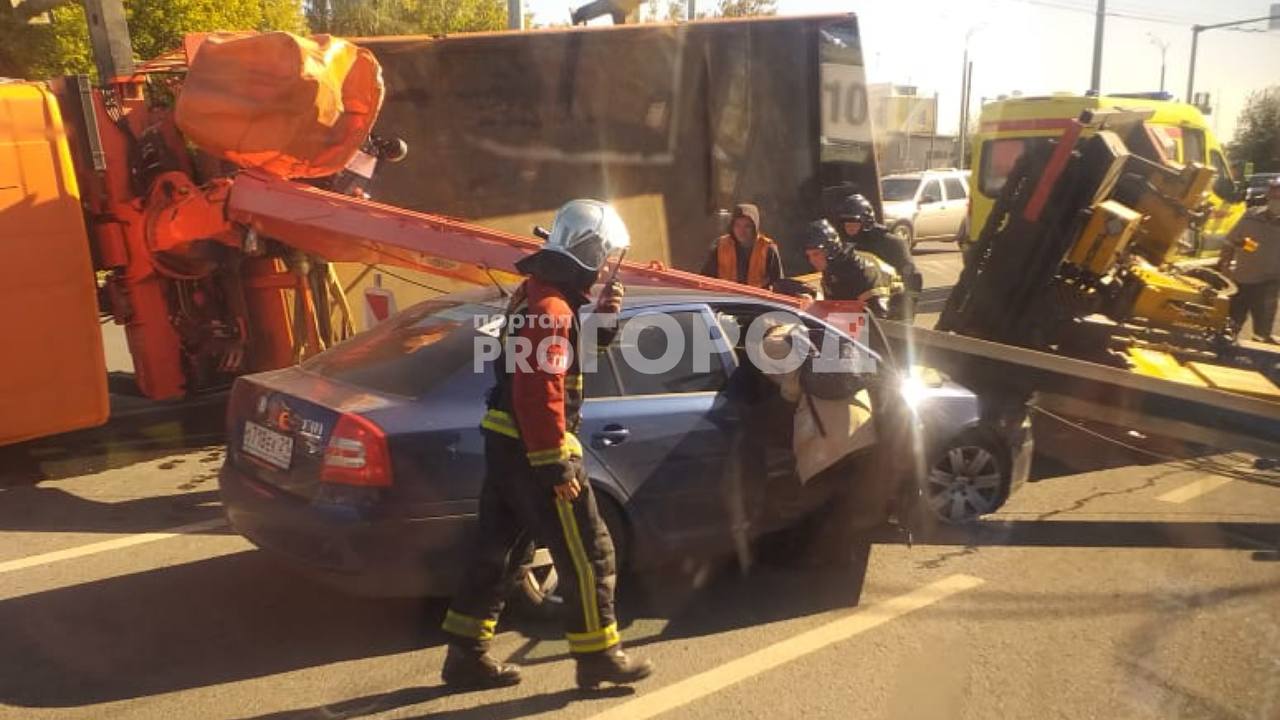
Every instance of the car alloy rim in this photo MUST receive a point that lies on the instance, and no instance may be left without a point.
(964, 484)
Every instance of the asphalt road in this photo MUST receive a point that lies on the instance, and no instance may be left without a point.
(1113, 587)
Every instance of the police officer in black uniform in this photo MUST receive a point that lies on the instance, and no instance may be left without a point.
(857, 224)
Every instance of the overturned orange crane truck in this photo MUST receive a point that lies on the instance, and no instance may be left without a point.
(210, 200)
(211, 214)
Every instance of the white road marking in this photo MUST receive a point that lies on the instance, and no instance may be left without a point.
(696, 687)
(107, 545)
(1194, 490)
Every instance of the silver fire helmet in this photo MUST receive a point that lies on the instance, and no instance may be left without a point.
(588, 231)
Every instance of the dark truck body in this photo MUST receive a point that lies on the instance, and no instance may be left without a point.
(698, 115)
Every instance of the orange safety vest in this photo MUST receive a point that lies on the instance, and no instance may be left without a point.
(757, 267)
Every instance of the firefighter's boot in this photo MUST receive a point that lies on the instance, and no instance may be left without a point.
(472, 667)
(612, 666)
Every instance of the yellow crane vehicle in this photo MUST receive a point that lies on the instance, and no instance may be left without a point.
(1076, 258)
(1009, 128)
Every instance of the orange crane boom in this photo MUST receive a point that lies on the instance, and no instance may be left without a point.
(341, 228)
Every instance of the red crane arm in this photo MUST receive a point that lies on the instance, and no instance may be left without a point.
(342, 228)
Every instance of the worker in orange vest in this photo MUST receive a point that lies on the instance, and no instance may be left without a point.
(744, 254)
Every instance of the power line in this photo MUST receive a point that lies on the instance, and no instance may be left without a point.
(1124, 13)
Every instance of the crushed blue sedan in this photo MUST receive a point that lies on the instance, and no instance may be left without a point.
(362, 466)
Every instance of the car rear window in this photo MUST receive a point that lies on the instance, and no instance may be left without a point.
(896, 189)
(410, 353)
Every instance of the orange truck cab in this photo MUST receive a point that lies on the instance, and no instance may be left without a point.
(48, 301)
(1006, 128)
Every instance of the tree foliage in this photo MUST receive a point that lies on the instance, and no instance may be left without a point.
(355, 18)
(746, 8)
(61, 45)
(1258, 131)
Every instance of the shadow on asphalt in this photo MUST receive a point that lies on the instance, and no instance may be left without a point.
(239, 617)
(405, 697)
(138, 432)
(1259, 536)
(50, 509)
(1071, 449)
(203, 623)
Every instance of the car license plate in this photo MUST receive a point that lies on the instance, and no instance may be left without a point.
(267, 445)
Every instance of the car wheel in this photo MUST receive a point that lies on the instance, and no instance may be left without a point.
(538, 590)
(903, 232)
(968, 479)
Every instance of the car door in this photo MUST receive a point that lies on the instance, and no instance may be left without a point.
(955, 206)
(931, 215)
(663, 432)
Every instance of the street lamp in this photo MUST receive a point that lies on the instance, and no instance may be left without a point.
(1195, 39)
(1164, 48)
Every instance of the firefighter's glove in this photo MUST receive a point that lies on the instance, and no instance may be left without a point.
(564, 478)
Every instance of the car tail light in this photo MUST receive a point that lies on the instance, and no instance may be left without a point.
(357, 454)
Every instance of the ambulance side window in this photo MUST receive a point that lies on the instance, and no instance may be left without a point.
(1193, 146)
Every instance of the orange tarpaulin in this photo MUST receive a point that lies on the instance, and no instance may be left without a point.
(292, 106)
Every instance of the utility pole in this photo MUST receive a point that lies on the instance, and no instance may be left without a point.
(1195, 41)
(109, 39)
(515, 14)
(964, 99)
(1095, 84)
(967, 91)
(933, 134)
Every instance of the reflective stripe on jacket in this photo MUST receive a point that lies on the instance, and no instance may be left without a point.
(539, 400)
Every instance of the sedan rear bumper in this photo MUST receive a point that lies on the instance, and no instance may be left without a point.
(340, 546)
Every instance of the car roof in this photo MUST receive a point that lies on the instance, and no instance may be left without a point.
(921, 173)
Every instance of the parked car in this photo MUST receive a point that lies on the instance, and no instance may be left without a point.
(929, 205)
(1255, 191)
(363, 465)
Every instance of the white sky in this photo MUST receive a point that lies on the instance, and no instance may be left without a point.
(1040, 46)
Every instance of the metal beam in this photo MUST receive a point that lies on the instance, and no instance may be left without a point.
(1191, 69)
(1097, 392)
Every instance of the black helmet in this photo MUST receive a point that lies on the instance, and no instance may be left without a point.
(819, 235)
(857, 207)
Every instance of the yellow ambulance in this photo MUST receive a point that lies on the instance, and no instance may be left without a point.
(1006, 128)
